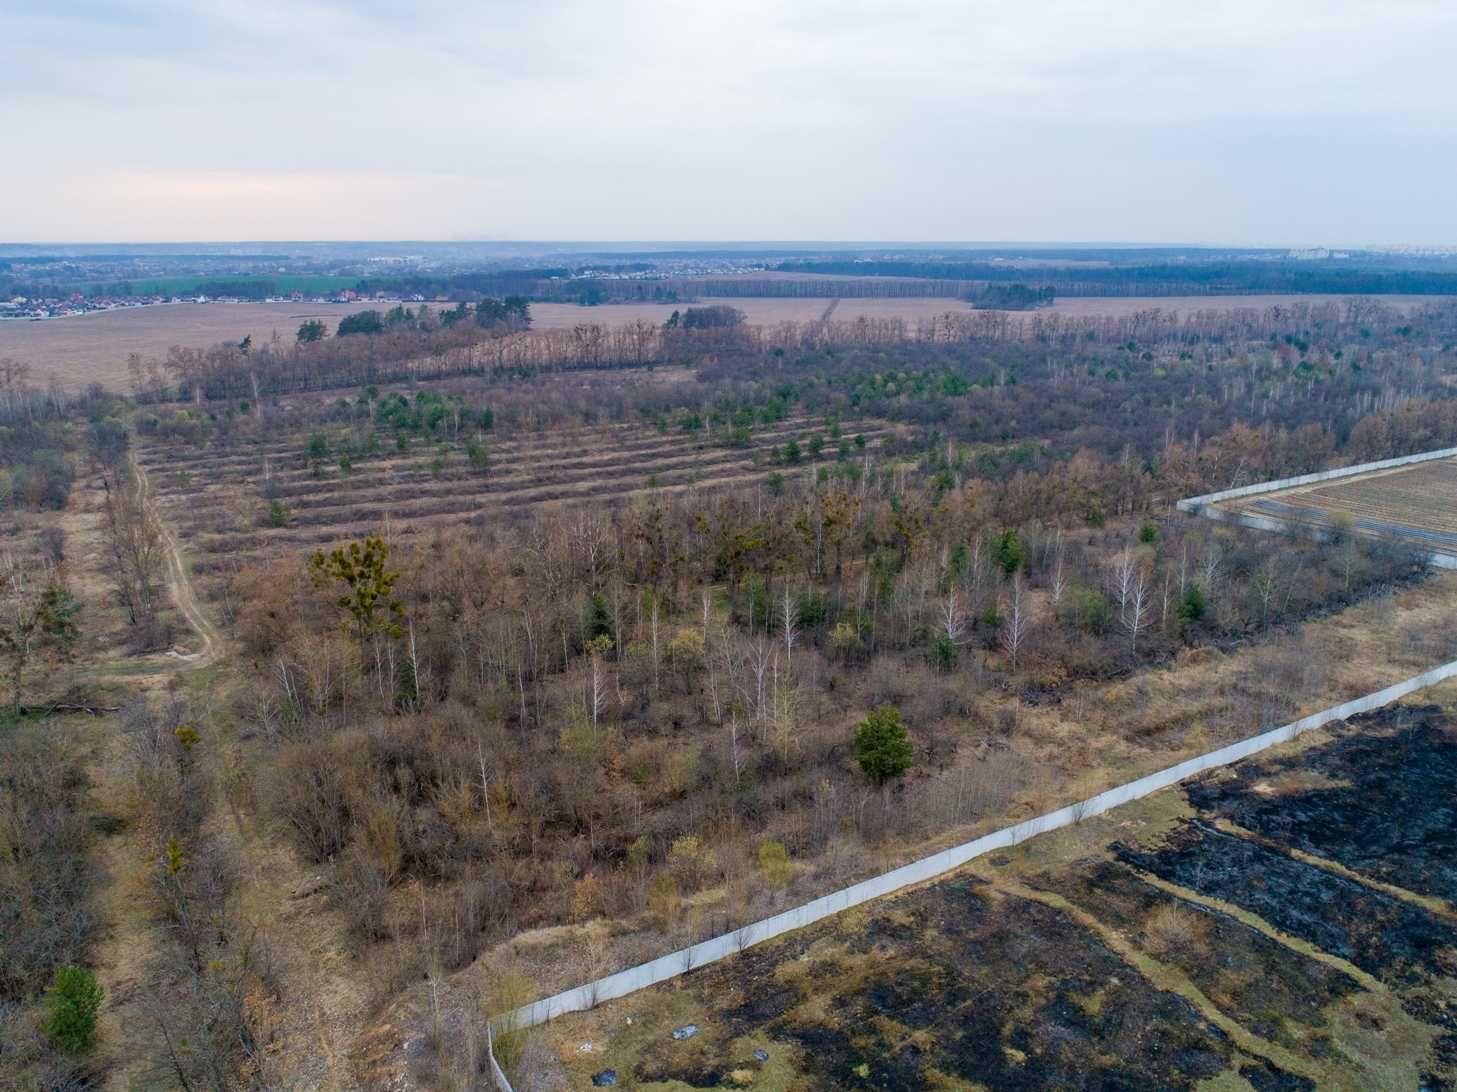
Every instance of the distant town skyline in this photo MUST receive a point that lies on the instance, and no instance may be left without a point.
(1241, 123)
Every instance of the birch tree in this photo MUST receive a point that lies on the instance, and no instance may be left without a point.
(1139, 607)
(1018, 621)
(789, 622)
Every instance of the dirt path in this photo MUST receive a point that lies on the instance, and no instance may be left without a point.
(179, 582)
(326, 998)
(129, 939)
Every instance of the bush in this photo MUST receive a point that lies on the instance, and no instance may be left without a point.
(1193, 606)
(812, 608)
(774, 864)
(881, 745)
(71, 1006)
(1009, 553)
(943, 652)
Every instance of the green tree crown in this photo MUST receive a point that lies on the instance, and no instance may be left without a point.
(71, 1004)
(881, 745)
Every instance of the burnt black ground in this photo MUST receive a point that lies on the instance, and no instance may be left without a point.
(983, 987)
(1396, 821)
(1274, 991)
(1396, 942)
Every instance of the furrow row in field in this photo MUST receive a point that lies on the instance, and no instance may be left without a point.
(628, 436)
(225, 552)
(311, 502)
(299, 481)
(517, 489)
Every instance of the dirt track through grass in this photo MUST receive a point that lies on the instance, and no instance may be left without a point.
(179, 582)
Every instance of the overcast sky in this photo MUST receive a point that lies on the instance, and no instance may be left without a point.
(1279, 122)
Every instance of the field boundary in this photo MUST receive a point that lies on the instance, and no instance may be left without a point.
(590, 994)
(1196, 504)
(1204, 504)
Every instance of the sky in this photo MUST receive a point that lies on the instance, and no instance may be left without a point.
(1268, 122)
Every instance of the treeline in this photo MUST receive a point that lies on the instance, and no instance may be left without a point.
(1183, 278)
(1011, 297)
(48, 915)
(427, 348)
(467, 286)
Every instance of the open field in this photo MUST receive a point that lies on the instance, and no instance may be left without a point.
(1287, 923)
(1413, 504)
(93, 348)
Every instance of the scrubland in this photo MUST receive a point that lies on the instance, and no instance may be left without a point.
(588, 688)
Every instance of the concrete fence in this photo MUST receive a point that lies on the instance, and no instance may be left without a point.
(1195, 504)
(591, 994)
(1203, 505)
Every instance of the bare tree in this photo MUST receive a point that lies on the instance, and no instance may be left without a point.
(1018, 621)
(734, 745)
(35, 616)
(597, 678)
(1263, 583)
(951, 621)
(789, 621)
(1139, 605)
(1209, 567)
(653, 637)
(1125, 566)
(762, 654)
(1059, 581)
(137, 548)
(589, 543)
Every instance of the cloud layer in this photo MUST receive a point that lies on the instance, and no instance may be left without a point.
(1238, 122)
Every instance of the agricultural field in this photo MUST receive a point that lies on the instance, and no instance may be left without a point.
(1280, 924)
(93, 348)
(1412, 504)
(317, 487)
